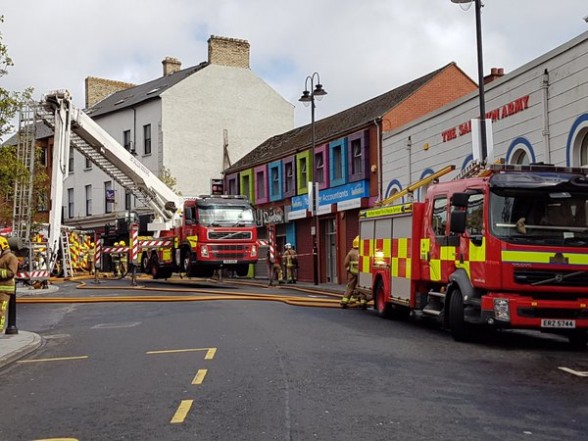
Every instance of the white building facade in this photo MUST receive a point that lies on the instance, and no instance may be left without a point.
(539, 113)
(189, 123)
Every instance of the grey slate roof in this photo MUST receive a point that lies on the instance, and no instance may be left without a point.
(42, 131)
(141, 93)
(332, 127)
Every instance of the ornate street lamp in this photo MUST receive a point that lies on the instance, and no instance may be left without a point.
(308, 98)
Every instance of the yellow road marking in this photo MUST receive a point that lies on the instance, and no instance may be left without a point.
(199, 378)
(182, 411)
(210, 354)
(574, 372)
(42, 360)
(57, 439)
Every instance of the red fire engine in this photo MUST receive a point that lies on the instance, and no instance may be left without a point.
(215, 232)
(506, 248)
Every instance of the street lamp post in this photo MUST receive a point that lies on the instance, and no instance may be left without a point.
(478, 7)
(308, 97)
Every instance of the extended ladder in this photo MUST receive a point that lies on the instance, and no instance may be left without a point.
(412, 187)
(23, 185)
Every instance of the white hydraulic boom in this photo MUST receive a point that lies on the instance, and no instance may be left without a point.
(72, 127)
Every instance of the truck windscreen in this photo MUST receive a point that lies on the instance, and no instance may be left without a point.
(225, 215)
(539, 216)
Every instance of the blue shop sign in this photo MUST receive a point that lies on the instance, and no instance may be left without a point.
(347, 192)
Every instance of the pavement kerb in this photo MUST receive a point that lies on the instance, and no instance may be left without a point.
(16, 346)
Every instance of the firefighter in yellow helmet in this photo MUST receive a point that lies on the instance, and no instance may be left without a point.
(91, 257)
(124, 259)
(8, 270)
(352, 267)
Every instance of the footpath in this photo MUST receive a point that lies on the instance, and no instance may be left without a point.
(16, 346)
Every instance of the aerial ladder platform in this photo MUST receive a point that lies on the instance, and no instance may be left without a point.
(74, 128)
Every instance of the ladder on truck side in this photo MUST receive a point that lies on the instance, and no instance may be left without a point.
(74, 128)
(22, 215)
(408, 191)
(66, 255)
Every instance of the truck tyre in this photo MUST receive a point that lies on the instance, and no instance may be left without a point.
(242, 270)
(156, 271)
(187, 263)
(457, 324)
(380, 304)
(578, 340)
(145, 264)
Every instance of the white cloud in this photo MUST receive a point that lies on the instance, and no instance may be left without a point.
(360, 49)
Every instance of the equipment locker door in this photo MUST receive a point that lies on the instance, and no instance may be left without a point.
(401, 262)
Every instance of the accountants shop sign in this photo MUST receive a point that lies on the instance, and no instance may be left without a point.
(335, 195)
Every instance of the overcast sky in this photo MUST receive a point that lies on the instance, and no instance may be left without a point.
(361, 49)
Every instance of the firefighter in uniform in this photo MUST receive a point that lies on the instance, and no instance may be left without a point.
(124, 260)
(290, 260)
(275, 266)
(352, 267)
(92, 257)
(115, 257)
(8, 270)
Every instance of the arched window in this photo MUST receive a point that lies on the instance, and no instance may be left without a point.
(520, 157)
(584, 151)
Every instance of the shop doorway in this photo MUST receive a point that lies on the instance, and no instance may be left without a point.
(330, 241)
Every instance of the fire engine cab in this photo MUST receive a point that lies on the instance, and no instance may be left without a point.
(505, 248)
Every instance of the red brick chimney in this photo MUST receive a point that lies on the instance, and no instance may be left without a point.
(495, 73)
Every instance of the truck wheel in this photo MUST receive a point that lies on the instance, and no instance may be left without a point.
(156, 272)
(578, 340)
(380, 304)
(457, 324)
(187, 263)
(242, 270)
(145, 265)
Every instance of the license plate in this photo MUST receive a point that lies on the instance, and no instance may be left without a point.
(229, 261)
(553, 323)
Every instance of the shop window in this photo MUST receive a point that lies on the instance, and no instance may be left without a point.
(289, 177)
(338, 162)
(358, 156)
(275, 176)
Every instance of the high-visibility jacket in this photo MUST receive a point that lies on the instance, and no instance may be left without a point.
(8, 269)
(352, 261)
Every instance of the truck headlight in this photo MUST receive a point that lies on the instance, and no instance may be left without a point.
(501, 309)
(253, 251)
(204, 250)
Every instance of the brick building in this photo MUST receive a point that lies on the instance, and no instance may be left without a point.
(345, 162)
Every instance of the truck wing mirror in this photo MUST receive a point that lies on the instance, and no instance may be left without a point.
(458, 221)
(460, 199)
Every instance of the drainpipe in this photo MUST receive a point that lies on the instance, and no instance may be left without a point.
(409, 156)
(377, 123)
(545, 96)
